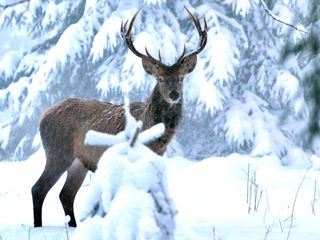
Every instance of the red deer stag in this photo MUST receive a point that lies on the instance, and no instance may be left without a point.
(63, 127)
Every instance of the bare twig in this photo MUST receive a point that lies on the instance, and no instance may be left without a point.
(215, 235)
(267, 200)
(268, 230)
(280, 223)
(135, 137)
(314, 198)
(257, 197)
(250, 197)
(13, 4)
(248, 179)
(264, 216)
(258, 200)
(254, 193)
(276, 18)
(295, 201)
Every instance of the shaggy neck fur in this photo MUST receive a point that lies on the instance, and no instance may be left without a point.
(160, 111)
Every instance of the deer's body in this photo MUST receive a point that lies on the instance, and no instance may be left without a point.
(73, 117)
(64, 126)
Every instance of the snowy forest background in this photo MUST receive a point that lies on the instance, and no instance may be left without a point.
(254, 90)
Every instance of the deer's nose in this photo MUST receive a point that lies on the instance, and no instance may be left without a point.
(174, 95)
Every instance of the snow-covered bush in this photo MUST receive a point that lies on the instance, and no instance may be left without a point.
(128, 198)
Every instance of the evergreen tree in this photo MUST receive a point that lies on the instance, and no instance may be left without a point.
(128, 198)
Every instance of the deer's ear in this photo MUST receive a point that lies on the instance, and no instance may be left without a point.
(150, 67)
(188, 65)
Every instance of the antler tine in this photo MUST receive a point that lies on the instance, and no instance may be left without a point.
(183, 53)
(159, 56)
(190, 14)
(202, 33)
(152, 58)
(205, 23)
(126, 35)
(147, 52)
(123, 29)
(131, 22)
(195, 20)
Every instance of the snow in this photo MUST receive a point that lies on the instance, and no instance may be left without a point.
(238, 127)
(9, 63)
(210, 196)
(11, 95)
(241, 7)
(4, 137)
(286, 87)
(106, 38)
(151, 134)
(222, 47)
(100, 139)
(126, 188)
(154, 1)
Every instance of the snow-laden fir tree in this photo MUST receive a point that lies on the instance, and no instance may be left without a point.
(235, 99)
(128, 198)
(307, 50)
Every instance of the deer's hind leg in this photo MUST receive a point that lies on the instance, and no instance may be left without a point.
(40, 189)
(75, 176)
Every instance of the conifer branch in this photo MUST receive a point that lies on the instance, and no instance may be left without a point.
(278, 19)
(13, 4)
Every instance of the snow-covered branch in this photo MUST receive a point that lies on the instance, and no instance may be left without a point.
(278, 19)
(13, 4)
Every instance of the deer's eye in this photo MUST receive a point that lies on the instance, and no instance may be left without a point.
(181, 78)
(161, 79)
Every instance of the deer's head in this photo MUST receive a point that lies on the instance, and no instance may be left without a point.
(169, 78)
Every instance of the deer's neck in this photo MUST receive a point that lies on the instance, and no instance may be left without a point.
(160, 111)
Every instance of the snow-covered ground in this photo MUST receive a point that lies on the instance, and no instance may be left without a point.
(211, 197)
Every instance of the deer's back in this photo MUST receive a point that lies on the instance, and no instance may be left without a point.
(63, 128)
